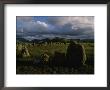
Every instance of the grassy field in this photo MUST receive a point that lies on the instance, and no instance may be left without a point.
(36, 50)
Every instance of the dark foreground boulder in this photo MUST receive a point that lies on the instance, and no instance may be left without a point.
(58, 59)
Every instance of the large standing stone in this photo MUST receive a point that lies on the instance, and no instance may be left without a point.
(75, 55)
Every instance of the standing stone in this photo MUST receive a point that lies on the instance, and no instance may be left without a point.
(75, 55)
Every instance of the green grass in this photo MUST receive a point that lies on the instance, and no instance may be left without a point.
(36, 51)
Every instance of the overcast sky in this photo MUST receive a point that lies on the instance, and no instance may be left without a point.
(39, 27)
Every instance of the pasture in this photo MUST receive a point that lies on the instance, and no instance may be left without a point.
(35, 51)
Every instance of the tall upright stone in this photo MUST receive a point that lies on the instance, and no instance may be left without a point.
(75, 55)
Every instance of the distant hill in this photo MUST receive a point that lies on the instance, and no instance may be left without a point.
(18, 39)
(56, 39)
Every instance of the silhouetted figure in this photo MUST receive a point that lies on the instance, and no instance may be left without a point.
(75, 55)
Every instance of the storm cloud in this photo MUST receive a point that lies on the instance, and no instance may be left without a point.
(32, 27)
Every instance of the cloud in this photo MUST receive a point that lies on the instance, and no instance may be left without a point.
(35, 26)
(69, 29)
(75, 20)
(42, 23)
(28, 25)
(76, 25)
(72, 26)
(24, 18)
